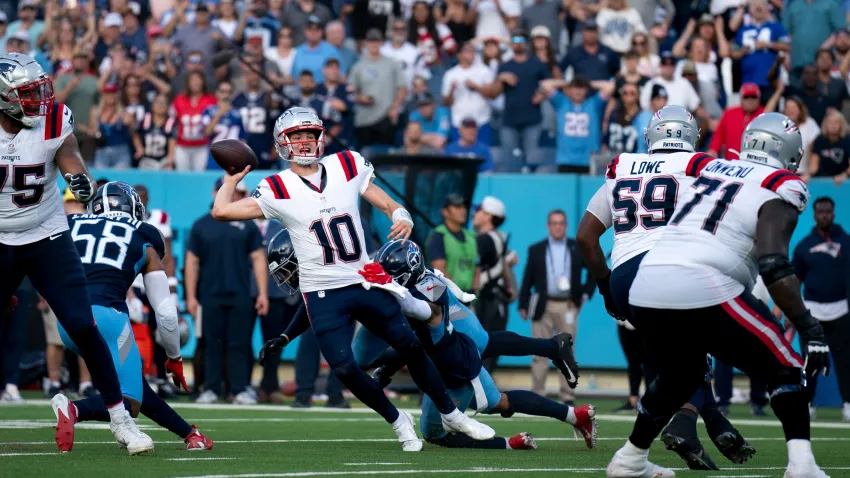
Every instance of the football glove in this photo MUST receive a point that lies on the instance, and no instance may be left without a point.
(81, 186)
(814, 344)
(273, 346)
(383, 378)
(605, 291)
(376, 276)
(174, 370)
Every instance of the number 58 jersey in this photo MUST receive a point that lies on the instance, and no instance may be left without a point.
(639, 196)
(323, 221)
(706, 255)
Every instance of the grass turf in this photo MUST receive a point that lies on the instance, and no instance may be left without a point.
(274, 441)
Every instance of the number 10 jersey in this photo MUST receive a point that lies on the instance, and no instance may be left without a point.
(706, 255)
(324, 221)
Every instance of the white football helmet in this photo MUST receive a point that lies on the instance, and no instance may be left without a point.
(772, 139)
(298, 119)
(672, 128)
(26, 92)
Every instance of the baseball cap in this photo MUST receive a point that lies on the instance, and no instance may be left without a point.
(541, 31)
(113, 20)
(750, 89)
(314, 20)
(454, 199)
(202, 7)
(154, 31)
(667, 59)
(590, 25)
(111, 87)
(3, 17)
(658, 91)
(374, 35)
(468, 123)
(424, 98)
(492, 206)
(21, 35)
(688, 67)
(194, 58)
(706, 18)
(519, 36)
(27, 4)
(239, 187)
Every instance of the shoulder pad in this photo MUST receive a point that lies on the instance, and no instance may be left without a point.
(352, 163)
(271, 186)
(154, 238)
(697, 162)
(431, 287)
(789, 187)
(59, 122)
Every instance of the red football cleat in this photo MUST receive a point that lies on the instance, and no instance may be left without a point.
(66, 417)
(197, 441)
(522, 441)
(586, 424)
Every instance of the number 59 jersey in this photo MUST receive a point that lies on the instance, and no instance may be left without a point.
(706, 255)
(323, 222)
(639, 196)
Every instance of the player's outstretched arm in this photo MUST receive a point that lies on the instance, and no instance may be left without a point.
(73, 168)
(224, 209)
(590, 229)
(402, 221)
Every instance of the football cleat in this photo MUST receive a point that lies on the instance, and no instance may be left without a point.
(128, 435)
(631, 462)
(407, 434)
(734, 446)
(567, 361)
(461, 423)
(197, 441)
(689, 449)
(586, 425)
(66, 417)
(804, 470)
(522, 441)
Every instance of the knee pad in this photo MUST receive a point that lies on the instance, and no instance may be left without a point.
(790, 380)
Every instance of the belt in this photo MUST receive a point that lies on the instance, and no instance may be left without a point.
(559, 299)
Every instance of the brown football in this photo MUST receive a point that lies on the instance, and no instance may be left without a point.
(233, 155)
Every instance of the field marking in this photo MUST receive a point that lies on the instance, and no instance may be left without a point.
(382, 463)
(203, 458)
(23, 453)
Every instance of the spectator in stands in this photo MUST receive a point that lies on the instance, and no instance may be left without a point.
(519, 79)
(19, 42)
(619, 22)
(541, 44)
(831, 150)
(133, 36)
(808, 91)
(459, 17)
(648, 62)
(78, 90)
(835, 89)
(680, 92)
(699, 56)
(111, 125)
(368, 14)
(544, 13)
(656, 16)
(299, 15)
(709, 111)
(591, 59)
(27, 22)
(726, 140)
(412, 64)
(221, 121)
(579, 115)
(452, 248)
(335, 35)
(810, 23)
(380, 92)
(306, 89)
(63, 45)
(758, 43)
(464, 88)
(4, 24)
(496, 18)
(658, 98)
(191, 153)
(469, 144)
(258, 22)
(283, 55)
(628, 75)
(433, 40)
(220, 257)
(226, 18)
(199, 36)
(433, 120)
(581, 13)
(799, 114)
(710, 30)
(315, 52)
(153, 138)
(335, 105)
(414, 143)
(623, 132)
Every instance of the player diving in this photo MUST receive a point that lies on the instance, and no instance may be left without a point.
(317, 199)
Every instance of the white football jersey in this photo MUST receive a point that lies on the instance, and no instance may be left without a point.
(30, 201)
(324, 223)
(639, 196)
(160, 220)
(706, 255)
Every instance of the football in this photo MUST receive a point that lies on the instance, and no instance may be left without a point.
(233, 155)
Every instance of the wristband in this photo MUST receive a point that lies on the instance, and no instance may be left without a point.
(172, 282)
(401, 215)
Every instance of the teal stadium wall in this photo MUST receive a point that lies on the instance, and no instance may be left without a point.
(528, 199)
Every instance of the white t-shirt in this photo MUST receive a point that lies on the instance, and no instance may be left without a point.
(228, 27)
(408, 58)
(706, 72)
(284, 63)
(490, 23)
(679, 93)
(616, 28)
(468, 103)
(809, 130)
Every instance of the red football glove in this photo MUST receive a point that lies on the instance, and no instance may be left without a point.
(13, 302)
(174, 369)
(375, 274)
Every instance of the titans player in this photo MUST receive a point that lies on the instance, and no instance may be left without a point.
(115, 246)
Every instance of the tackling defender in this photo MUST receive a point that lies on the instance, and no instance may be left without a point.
(637, 199)
(116, 246)
(34, 237)
(737, 221)
(318, 200)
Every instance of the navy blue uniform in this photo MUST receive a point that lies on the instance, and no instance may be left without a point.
(258, 123)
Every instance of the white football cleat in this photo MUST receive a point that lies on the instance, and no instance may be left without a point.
(244, 398)
(845, 412)
(632, 462)
(457, 421)
(804, 470)
(129, 435)
(406, 433)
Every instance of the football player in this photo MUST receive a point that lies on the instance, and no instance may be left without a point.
(37, 143)
(691, 295)
(318, 201)
(115, 247)
(637, 199)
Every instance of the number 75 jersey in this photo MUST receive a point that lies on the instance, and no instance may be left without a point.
(324, 221)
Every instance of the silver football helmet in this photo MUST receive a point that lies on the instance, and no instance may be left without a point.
(772, 139)
(26, 92)
(673, 128)
(300, 152)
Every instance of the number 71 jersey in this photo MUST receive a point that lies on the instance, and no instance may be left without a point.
(324, 221)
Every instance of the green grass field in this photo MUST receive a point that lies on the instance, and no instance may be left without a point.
(277, 441)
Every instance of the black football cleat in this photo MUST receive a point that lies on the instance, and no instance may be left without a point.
(689, 449)
(734, 446)
(566, 361)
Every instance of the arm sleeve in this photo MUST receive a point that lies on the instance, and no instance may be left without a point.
(415, 308)
(300, 323)
(67, 122)
(159, 296)
(600, 206)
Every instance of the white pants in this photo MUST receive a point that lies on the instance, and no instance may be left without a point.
(193, 158)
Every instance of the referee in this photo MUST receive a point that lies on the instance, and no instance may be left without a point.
(821, 262)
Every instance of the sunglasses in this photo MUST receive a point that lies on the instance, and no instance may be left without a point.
(518, 39)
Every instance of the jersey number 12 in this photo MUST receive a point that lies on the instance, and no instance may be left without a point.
(332, 244)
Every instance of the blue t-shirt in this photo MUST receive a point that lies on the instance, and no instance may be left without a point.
(330, 116)
(579, 128)
(229, 127)
(624, 136)
(477, 150)
(314, 59)
(603, 65)
(265, 27)
(757, 63)
(440, 123)
(258, 124)
(519, 110)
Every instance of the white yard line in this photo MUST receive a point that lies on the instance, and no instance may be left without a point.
(23, 453)
(202, 458)
(377, 463)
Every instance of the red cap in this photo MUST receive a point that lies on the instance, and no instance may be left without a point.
(110, 88)
(154, 31)
(750, 89)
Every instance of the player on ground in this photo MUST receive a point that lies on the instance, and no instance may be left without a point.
(638, 198)
(34, 237)
(692, 293)
(116, 247)
(318, 199)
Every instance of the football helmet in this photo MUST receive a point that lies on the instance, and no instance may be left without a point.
(26, 92)
(298, 119)
(404, 262)
(117, 199)
(772, 139)
(283, 265)
(673, 128)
